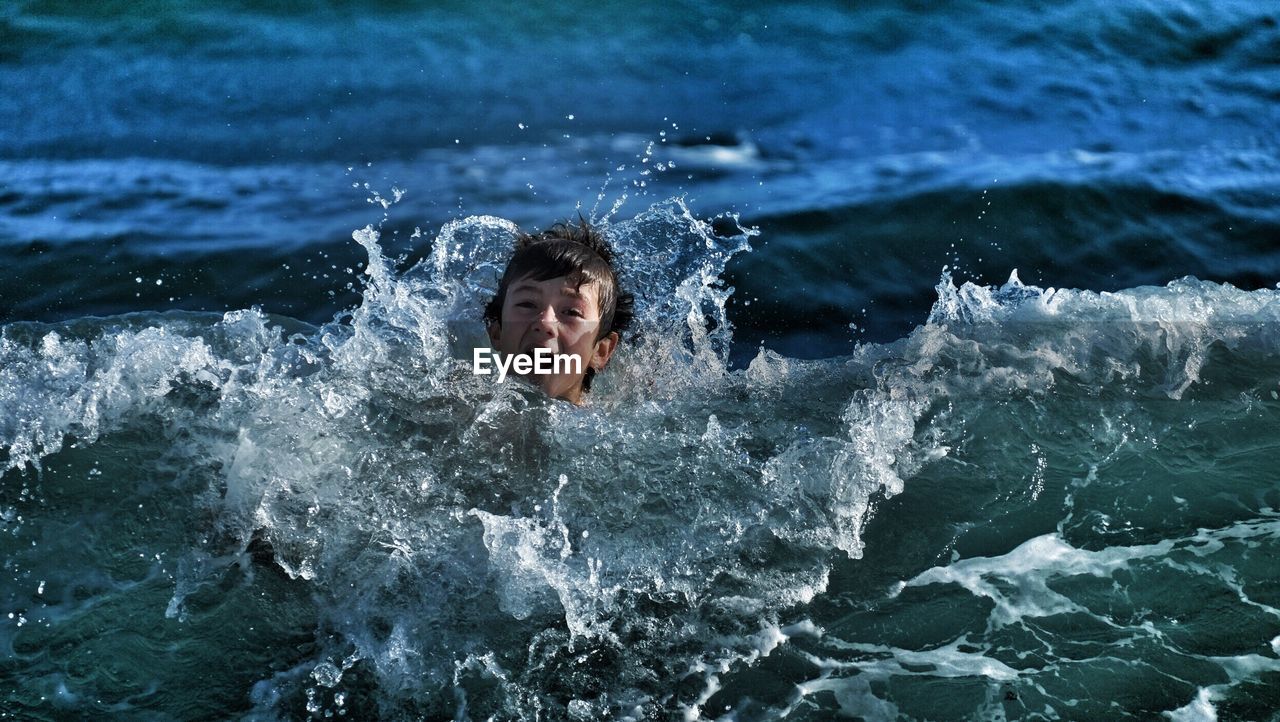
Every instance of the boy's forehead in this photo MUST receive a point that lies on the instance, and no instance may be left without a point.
(585, 288)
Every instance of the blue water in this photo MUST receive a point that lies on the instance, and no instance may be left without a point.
(954, 394)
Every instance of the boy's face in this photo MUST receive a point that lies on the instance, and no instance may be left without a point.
(556, 315)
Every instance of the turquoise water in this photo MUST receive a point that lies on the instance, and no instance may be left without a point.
(853, 463)
(1041, 504)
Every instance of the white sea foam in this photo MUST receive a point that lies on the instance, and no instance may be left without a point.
(468, 544)
(1200, 709)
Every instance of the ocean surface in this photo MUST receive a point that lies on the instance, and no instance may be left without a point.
(954, 392)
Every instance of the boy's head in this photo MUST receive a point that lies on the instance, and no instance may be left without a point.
(561, 292)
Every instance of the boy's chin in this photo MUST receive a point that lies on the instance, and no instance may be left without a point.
(559, 387)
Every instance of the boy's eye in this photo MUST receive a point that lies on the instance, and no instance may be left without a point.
(575, 312)
(524, 304)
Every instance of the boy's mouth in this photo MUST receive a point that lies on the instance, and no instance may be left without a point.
(531, 351)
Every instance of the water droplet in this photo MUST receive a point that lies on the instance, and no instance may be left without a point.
(326, 674)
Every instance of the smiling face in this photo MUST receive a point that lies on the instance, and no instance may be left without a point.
(560, 316)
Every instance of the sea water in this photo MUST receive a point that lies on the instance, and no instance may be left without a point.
(1040, 502)
(952, 395)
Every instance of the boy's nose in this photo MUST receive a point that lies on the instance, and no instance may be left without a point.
(547, 319)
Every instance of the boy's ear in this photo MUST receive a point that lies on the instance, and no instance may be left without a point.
(604, 350)
(495, 330)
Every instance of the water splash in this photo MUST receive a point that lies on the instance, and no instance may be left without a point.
(474, 549)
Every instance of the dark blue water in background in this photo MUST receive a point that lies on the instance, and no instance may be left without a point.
(208, 145)
(213, 157)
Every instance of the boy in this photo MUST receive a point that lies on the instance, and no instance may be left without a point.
(559, 300)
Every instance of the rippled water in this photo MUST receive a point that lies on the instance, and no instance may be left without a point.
(852, 462)
(1039, 502)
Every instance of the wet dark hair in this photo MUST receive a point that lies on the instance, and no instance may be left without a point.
(580, 252)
